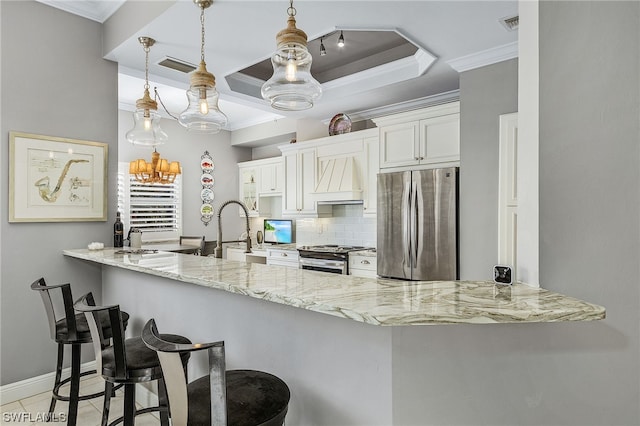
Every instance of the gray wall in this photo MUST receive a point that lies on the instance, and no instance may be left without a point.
(54, 82)
(590, 191)
(562, 373)
(485, 94)
(187, 148)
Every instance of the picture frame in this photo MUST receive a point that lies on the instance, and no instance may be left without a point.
(55, 179)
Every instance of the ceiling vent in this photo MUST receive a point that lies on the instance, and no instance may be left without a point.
(511, 23)
(177, 64)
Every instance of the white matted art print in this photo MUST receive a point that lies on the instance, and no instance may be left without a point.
(53, 179)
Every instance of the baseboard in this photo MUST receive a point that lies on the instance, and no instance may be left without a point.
(29, 387)
(146, 393)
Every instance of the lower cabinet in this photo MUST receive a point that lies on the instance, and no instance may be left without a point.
(256, 255)
(363, 266)
(282, 257)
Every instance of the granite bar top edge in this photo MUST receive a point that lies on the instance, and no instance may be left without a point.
(374, 301)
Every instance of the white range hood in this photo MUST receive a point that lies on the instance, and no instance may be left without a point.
(339, 182)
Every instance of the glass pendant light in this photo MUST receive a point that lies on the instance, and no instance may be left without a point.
(292, 87)
(202, 114)
(146, 130)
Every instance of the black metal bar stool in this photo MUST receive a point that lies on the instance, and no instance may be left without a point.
(126, 361)
(220, 398)
(71, 329)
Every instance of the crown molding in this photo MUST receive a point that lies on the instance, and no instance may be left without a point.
(427, 101)
(485, 57)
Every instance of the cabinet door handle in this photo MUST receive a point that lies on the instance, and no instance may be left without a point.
(284, 254)
(417, 158)
(365, 262)
(422, 158)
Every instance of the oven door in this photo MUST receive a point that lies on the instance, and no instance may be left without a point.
(324, 265)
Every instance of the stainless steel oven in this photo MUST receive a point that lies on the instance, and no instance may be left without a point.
(326, 258)
(324, 265)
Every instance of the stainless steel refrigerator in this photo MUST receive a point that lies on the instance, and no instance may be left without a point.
(418, 224)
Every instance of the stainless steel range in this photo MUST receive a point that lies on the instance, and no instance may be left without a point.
(327, 258)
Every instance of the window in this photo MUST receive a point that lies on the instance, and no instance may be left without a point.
(156, 209)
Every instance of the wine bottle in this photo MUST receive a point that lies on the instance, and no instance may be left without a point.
(118, 232)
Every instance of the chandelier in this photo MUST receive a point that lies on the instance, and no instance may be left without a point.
(158, 170)
(202, 113)
(292, 87)
(146, 130)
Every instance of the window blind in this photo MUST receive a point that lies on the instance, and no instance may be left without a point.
(155, 209)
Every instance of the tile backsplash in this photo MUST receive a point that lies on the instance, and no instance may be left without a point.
(346, 227)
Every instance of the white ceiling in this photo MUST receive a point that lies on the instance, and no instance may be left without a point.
(239, 33)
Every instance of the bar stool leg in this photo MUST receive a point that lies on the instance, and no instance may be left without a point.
(56, 383)
(163, 403)
(75, 384)
(108, 393)
(129, 404)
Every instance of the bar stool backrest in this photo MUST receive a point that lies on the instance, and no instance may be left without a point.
(99, 315)
(176, 381)
(41, 286)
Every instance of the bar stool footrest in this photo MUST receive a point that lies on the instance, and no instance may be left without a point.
(141, 411)
(65, 398)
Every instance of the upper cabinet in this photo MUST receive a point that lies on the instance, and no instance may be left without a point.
(258, 179)
(332, 169)
(421, 137)
(371, 163)
(271, 179)
(300, 178)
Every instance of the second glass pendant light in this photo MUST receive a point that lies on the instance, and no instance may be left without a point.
(202, 113)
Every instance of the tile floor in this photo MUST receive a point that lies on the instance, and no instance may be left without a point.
(29, 411)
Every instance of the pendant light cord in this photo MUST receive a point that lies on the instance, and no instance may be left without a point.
(146, 67)
(291, 11)
(157, 96)
(202, 34)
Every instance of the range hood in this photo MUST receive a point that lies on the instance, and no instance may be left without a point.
(339, 182)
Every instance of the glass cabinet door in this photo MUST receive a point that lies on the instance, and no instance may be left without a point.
(249, 189)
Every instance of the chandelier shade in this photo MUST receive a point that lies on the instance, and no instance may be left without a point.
(159, 170)
(292, 87)
(146, 129)
(202, 114)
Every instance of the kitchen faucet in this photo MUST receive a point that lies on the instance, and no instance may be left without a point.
(218, 250)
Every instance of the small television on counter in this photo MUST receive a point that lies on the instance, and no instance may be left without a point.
(278, 231)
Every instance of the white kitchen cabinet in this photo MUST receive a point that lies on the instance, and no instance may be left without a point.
(238, 254)
(300, 181)
(258, 179)
(363, 265)
(370, 174)
(271, 178)
(248, 191)
(283, 257)
(421, 137)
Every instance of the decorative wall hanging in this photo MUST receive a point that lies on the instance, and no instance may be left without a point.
(54, 179)
(207, 181)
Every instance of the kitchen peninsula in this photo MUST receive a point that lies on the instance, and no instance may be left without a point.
(341, 369)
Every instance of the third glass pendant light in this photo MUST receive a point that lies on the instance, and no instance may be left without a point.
(292, 87)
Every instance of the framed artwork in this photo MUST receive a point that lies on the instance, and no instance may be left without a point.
(54, 179)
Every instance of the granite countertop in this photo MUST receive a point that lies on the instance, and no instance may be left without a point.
(365, 253)
(263, 247)
(374, 301)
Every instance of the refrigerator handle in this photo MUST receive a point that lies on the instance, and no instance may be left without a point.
(406, 220)
(416, 227)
